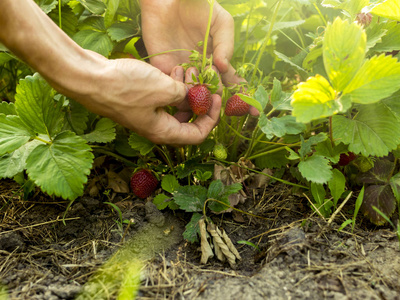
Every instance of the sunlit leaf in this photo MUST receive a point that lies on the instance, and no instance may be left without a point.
(315, 99)
(343, 52)
(388, 9)
(169, 183)
(377, 79)
(390, 40)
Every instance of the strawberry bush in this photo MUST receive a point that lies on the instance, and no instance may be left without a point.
(324, 78)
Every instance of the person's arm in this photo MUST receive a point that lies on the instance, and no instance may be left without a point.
(128, 91)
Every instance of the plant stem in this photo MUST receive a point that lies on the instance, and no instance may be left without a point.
(102, 150)
(205, 44)
(42, 140)
(59, 13)
(331, 131)
(267, 38)
(165, 52)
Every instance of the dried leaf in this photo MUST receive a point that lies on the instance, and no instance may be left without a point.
(229, 243)
(206, 251)
(217, 237)
(116, 183)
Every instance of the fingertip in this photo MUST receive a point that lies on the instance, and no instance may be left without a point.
(254, 111)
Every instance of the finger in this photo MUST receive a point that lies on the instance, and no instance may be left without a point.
(229, 78)
(189, 76)
(222, 33)
(183, 116)
(254, 111)
(168, 130)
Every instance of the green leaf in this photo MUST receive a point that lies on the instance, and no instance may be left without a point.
(316, 169)
(344, 224)
(192, 231)
(251, 101)
(390, 40)
(315, 99)
(161, 201)
(283, 25)
(13, 133)
(261, 96)
(215, 190)
(5, 57)
(366, 133)
(318, 192)
(377, 79)
(76, 117)
(109, 16)
(287, 60)
(61, 168)
(331, 152)
(122, 31)
(169, 183)
(191, 198)
(279, 99)
(344, 49)
(357, 207)
(272, 160)
(47, 5)
(280, 126)
(380, 173)
(69, 20)
(305, 147)
(94, 6)
(96, 41)
(337, 185)
(104, 132)
(13, 163)
(388, 9)
(141, 144)
(36, 107)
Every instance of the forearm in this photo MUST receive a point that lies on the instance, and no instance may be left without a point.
(36, 39)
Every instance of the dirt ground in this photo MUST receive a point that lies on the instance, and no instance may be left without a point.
(300, 256)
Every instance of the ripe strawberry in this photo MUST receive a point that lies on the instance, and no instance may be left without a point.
(236, 106)
(143, 183)
(219, 152)
(199, 98)
(346, 158)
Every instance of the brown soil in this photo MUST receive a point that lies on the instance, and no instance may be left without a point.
(300, 256)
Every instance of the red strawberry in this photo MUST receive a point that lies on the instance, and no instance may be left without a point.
(346, 158)
(236, 106)
(199, 98)
(143, 183)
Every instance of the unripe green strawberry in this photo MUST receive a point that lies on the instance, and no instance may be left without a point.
(364, 164)
(236, 106)
(220, 152)
(199, 98)
(143, 183)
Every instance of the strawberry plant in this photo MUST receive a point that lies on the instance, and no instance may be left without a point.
(318, 107)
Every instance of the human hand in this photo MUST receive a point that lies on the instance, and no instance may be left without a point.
(175, 24)
(134, 94)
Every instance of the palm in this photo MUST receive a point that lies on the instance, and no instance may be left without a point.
(174, 24)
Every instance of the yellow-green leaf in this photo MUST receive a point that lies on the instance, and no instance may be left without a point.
(315, 99)
(343, 52)
(388, 9)
(378, 78)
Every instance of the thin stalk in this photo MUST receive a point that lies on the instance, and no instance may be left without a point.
(59, 14)
(267, 38)
(164, 152)
(320, 14)
(102, 150)
(42, 140)
(228, 206)
(205, 44)
(237, 138)
(164, 52)
(265, 174)
(247, 33)
(331, 131)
